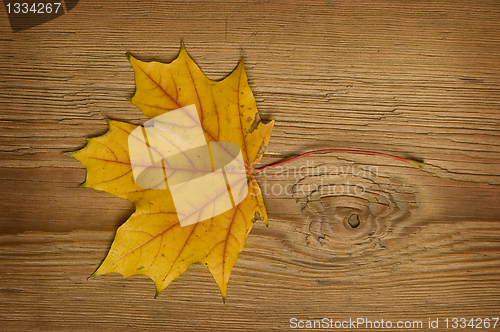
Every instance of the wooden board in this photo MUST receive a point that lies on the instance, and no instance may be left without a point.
(417, 79)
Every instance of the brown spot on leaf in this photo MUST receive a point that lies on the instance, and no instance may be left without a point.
(255, 123)
(257, 217)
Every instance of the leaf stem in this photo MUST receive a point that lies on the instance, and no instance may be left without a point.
(416, 163)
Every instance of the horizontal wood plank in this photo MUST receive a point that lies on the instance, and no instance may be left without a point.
(416, 79)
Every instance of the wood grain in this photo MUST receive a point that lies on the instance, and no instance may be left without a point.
(417, 79)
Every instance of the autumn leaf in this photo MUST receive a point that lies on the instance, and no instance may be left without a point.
(152, 242)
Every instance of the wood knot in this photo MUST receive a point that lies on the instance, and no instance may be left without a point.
(351, 208)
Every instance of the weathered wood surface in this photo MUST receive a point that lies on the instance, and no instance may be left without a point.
(416, 79)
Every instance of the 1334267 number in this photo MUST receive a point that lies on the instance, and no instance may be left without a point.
(477, 323)
(34, 8)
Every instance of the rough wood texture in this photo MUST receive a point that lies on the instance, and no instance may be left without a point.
(417, 79)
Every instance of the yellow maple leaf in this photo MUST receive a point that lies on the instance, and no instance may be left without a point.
(152, 241)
